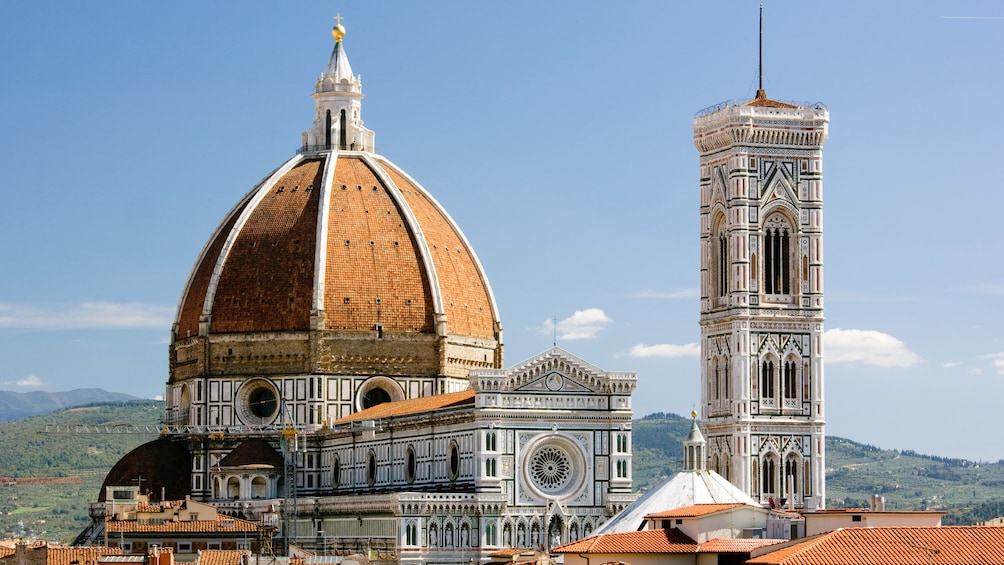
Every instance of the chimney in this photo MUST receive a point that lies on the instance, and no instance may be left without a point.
(877, 503)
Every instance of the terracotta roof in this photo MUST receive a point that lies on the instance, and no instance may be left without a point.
(5, 551)
(222, 556)
(723, 545)
(266, 282)
(467, 298)
(948, 545)
(222, 524)
(411, 406)
(761, 101)
(78, 555)
(255, 451)
(694, 510)
(381, 242)
(645, 541)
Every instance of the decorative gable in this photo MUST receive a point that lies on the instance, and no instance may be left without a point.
(554, 371)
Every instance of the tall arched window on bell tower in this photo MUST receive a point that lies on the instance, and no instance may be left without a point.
(777, 255)
(719, 259)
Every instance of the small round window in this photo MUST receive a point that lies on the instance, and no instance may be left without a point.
(410, 465)
(454, 461)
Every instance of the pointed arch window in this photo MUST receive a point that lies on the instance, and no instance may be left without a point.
(767, 378)
(722, 376)
(411, 534)
(791, 475)
(790, 380)
(719, 259)
(715, 378)
(777, 255)
(769, 476)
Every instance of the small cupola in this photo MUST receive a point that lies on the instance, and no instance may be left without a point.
(693, 448)
(338, 98)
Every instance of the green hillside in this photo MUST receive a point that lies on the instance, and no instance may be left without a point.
(28, 452)
(969, 492)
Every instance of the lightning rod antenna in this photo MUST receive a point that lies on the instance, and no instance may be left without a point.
(760, 91)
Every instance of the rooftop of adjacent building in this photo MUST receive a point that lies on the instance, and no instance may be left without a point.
(670, 540)
(892, 546)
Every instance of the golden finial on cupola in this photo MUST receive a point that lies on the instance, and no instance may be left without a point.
(338, 32)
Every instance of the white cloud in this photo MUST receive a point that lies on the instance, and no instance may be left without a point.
(668, 350)
(998, 361)
(86, 315)
(30, 381)
(583, 324)
(683, 294)
(951, 364)
(869, 347)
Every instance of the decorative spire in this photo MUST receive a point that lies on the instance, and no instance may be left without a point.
(338, 98)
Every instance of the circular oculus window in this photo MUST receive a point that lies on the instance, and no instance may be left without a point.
(550, 468)
(258, 402)
(554, 468)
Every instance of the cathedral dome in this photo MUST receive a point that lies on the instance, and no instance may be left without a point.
(336, 263)
(343, 241)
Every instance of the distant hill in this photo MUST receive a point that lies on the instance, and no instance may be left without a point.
(969, 492)
(17, 405)
(59, 511)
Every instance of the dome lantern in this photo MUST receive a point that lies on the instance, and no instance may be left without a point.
(338, 98)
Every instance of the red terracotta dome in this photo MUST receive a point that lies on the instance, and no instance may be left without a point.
(367, 246)
(338, 262)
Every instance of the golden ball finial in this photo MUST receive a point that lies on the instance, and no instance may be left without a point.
(693, 414)
(338, 32)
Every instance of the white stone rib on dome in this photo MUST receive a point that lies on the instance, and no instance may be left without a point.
(321, 245)
(221, 261)
(460, 234)
(219, 228)
(680, 490)
(415, 228)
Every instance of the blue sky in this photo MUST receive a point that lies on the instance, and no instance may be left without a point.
(558, 135)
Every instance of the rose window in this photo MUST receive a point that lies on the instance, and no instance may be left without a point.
(550, 468)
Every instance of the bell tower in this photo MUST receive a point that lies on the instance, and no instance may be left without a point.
(761, 191)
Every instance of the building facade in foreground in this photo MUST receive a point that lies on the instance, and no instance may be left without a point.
(761, 196)
(337, 357)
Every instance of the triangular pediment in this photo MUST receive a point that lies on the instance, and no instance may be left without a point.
(554, 371)
(718, 184)
(778, 184)
(554, 381)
